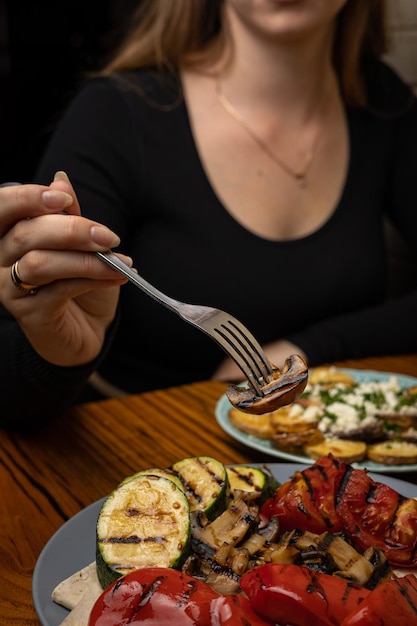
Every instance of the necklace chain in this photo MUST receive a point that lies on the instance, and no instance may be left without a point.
(300, 176)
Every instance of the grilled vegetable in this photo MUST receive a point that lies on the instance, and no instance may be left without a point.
(230, 527)
(307, 501)
(368, 569)
(347, 450)
(331, 554)
(205, 482)
(281, 593)
(247, 478)
(393, 603)
(297, 442)
(215, 544)
(393, 452)
(332, 495)
(293, 419)
(145, 522)
(284, 388)
(330, 376)
(257, 425)
(157, 596)
(376, 515)
(157, 471)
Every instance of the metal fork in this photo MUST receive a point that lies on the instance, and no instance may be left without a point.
(226, 330)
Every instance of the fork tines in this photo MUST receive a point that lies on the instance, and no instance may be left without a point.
(245, 350)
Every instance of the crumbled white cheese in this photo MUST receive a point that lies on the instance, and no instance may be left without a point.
(313, 413)
(345, 408)
(295, 410)
(346, 415)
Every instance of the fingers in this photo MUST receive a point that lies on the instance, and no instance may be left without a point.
(43, 268)
(60, 293)
(61, 183)
(65, 321)
(55, 232)
(21, 202)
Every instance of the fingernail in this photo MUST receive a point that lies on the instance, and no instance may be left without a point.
(104, 237)
(54, 199)
(61, 176)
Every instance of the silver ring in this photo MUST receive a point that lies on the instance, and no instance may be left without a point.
(29, 290)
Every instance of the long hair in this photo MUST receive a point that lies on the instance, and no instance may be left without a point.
(361, 34)
(170, 33)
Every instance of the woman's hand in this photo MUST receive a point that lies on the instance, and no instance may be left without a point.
(42, 228)
(277, 353)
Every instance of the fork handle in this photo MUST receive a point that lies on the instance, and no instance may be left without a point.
(111, 259)
(192, 313)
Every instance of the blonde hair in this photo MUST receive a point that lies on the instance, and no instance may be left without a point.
(170, 33)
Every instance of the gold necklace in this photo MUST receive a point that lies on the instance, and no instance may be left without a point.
(300, 176)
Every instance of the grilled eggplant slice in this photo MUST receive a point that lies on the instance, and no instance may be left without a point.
(145, 522)
(205, 482)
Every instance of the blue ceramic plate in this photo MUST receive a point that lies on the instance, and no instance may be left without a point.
(72, 547)
(361, 376)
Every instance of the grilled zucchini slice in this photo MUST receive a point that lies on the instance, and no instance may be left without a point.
(206, 484)
(145, 522)
(157, 471)
(247, 478)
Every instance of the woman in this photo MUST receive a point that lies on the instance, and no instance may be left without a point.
(245, 153)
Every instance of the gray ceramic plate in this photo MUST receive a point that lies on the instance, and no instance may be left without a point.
(72, 547)
(222, 415)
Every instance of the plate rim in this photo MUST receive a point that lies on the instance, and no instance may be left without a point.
(255, 443)
(78, 518)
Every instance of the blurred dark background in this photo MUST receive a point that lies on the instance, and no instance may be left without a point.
(46, 48)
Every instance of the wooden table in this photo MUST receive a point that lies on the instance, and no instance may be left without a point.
(48, 477)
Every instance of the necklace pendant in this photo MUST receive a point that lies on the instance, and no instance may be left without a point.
(301, 180)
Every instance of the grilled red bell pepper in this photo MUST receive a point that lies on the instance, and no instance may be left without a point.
(333, 496)
(156, 596)
(293, 594)
(307, 501)
(374, 514)
(393, 603)
(235, 611)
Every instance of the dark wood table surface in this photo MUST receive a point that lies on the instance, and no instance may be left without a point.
(48, 477)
